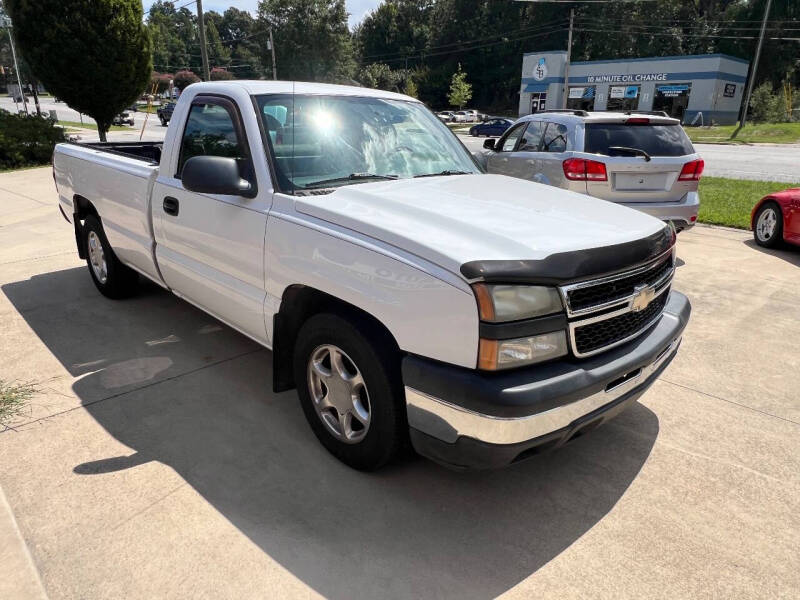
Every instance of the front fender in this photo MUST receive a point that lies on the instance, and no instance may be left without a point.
(429, 313)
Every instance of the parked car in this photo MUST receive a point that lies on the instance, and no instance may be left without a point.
(776, 218)
(465, 116)
(133, 107)
(164, 113)
(123, 118)
(491, 127)
(445, 116)
(641, 160)
(502, 319)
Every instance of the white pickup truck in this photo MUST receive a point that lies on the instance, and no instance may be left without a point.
(406, 295)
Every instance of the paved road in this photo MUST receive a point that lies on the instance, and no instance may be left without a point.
(156, 462)
(763, 162)
(153, 132)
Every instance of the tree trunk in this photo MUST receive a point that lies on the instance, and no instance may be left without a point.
(102, 129)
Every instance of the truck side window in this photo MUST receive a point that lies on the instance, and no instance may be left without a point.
(210, 131)
(555, 138)
(531, 141)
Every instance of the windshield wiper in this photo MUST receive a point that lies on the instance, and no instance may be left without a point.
(351, 177)
(634, 151)
(445, 172)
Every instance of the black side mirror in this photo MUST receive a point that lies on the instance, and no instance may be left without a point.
(489, 144)
(215, 175)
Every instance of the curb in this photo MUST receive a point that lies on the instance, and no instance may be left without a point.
(19, 577)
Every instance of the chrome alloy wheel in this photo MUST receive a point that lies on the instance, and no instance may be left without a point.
(767, 222)
(339, 393)
(97, 257)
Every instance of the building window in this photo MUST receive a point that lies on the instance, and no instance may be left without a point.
(538, 101)
(623, 97)
(581, 98)
(672, 99)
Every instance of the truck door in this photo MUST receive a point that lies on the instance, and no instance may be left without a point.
(210, 248)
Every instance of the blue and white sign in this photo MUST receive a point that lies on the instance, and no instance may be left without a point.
(540, 70)
(627, 78)
(673, 91)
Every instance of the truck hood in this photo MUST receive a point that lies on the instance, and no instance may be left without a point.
(455, 220)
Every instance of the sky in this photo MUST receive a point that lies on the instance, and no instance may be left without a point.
(357, 8)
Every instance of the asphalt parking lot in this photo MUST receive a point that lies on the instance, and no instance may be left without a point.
(154, 461)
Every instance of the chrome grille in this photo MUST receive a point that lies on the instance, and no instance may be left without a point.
(609, 311)
(608, 331)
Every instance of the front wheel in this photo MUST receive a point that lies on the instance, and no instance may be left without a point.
(350, 390)
(768, 230)
(112, 278)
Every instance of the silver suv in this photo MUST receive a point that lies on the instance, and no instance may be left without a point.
(641, 160)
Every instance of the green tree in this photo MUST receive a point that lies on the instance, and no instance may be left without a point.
(93, 54)
(460, 90)
(312, 41)
(410, 88)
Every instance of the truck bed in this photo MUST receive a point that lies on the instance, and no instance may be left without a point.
(149, 151)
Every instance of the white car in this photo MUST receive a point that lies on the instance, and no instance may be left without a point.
(405, 294)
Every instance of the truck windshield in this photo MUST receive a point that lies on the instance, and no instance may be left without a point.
(654, 139)
(329, 141)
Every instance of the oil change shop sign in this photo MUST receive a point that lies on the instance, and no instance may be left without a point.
(632, 78)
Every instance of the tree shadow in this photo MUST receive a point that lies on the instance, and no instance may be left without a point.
(785, 252)
(177, 387)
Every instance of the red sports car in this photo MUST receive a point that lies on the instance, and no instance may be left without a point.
(776, 218)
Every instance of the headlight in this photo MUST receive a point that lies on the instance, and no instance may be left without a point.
(503, 303)
(494, 355)
(498, 303)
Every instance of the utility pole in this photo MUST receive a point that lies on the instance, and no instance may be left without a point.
(7, 23)
(565, 95)
(203, 50)
(754, 68)
(272, 48)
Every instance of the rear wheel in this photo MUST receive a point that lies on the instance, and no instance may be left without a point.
(350, 390)
(112, 278)
(768, 230)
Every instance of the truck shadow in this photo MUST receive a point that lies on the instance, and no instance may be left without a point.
(178, 387)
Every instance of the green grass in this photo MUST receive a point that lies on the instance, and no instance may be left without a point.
(775, 133)
(729, 201)
(13, 400)
(79, 125)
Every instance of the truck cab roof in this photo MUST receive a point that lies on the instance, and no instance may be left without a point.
(258, 87)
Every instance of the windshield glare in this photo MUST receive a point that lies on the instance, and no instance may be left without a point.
(317, 140)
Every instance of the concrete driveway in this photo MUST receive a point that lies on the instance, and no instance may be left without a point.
(156, 462)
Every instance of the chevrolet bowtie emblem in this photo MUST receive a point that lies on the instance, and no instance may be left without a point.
(642, 297)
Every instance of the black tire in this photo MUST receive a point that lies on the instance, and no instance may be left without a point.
(371, 352)
(120, 281)
(774, 240)
(163, 121)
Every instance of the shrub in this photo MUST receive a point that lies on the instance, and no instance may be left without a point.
(767, 106)
(220, 74)
(184, 79)
(27, 140)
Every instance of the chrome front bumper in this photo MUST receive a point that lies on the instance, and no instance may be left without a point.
(468, 419)
(448, 422)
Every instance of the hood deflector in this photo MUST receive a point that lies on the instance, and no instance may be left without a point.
(568, 267)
